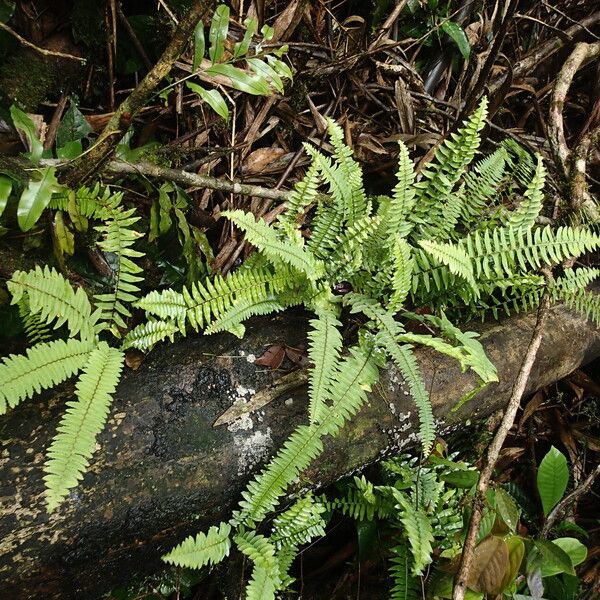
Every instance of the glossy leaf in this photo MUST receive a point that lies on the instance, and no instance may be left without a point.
(507, 508)
(573, 548)
(35, 198)
(552, 479)
(241, 48)
(199, 45)
(217, 35)
(552, 558)
(73, 127)
(241, 80)
(24, 124)
(516, 552)
(5, 190)
(266, 72)
(213, 98)
(456, 33)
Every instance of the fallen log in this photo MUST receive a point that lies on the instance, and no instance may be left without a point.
(163, 470)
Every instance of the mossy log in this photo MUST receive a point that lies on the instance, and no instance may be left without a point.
(163, 470)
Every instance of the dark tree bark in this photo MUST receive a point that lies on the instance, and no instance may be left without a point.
(161, 462)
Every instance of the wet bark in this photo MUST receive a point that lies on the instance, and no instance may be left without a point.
(161, 462)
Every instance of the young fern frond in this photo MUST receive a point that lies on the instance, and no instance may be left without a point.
(52, 298)
(396, 219)
(402, 274)
(347, 258)
(207, 548)
(326, 227)
(74, 444)
(45, 365)
(355, 201)
(299, 524)
(119, 238)
(441, 175)
(525, 215)
(146, 335)
(265, 238)
(302, 196)
(325, 344)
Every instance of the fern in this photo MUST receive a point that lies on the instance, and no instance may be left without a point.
(74, 444)
(396, 218)
(51, 297)
(299, 524)
(147, 335)
(405, 586)
(303, 195)
(525, 215)
(119, 239)
(35, 329)
(43, 366)
(204, 549)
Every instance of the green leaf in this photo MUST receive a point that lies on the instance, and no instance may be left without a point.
(213, 98)
(553, 558)
(573, 548)
(552, 479)
(35, 198)
(241, 80)
(218, 33)
(199, 44)
(70, 150)
(206, 548)
(241, 48)
(507, 508)
(64, 236)
(458, 36)
(5, 190)
(7, 9)
(73, 127)
(23, 123)
(266, 72)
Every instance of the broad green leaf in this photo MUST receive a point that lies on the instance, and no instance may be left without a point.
(213, 98)
(73, 127)
(5, 190)
(23, 123)
(458, 36)
(573, 548)
(507, 508)
(241, 80)
(461, 479)
(218, 33)
(280, 67)
(552, 479)
(267, 32)
(553, 558)
(35, 198)
(241, 48)
(266, 72)
(199, 44)
(70, 150)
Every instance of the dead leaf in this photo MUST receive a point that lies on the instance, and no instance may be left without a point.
(272, 357)
(259, 160)
(490, 561)
(134, 358)
(298, 357)
(531, 407)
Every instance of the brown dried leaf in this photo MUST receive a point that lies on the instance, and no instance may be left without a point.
(298, 357)
(490, 561)
(531, 407)
(272, 357)
(134, 358)
(259, 160)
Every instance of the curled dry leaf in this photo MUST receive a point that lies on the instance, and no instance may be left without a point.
(272, 357)
(262, 160)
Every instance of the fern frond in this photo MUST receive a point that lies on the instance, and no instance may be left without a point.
(265, 238)
(356, 373)
(583, 301)
(524, 216)
(441, 175)
(402, 274)
(355, 202)
(265, 578)
(75, 441)
(88, 202)
(405, 586)
(302, 196)
(396, 220)
(347, 258)
(325, 344)
(146, 335)
(482, 186)
(326, 227)
(52, 298)
(207, 548)
(45, 365)
(454, 257)
(35, 329)
(418, 530)
(521, 162)
(262, 585)
(299, 524)
(119, 238)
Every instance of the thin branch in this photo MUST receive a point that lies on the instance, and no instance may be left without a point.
(39, 50)
(560, 509)
(493, 453)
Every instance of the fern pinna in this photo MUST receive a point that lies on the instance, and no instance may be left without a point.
(444, 240)
(51, 307)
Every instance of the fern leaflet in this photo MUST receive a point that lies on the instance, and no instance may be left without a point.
(204, 549)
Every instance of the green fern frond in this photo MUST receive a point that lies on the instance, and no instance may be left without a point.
(45, 365)
(441, 175)
(265, 238)
(146, 335)
(525, 215)
(405, 586)
(482, 186)
(262, 585)
(326, 227)
(75, 441)
(583, 301)
(35, 329)
(265, 580)
(454, 257)
(417, 528)
(87, 202)
(53, 299)
(207, 548)
(299, 524)
(403, 264)
(396, 219)
(355, 204)
(119, 238)
(347, 258)
(302, 196)
(451, 210)
(520, 161)
(325, 344)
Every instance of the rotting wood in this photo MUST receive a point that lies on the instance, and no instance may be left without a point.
(163, 471)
